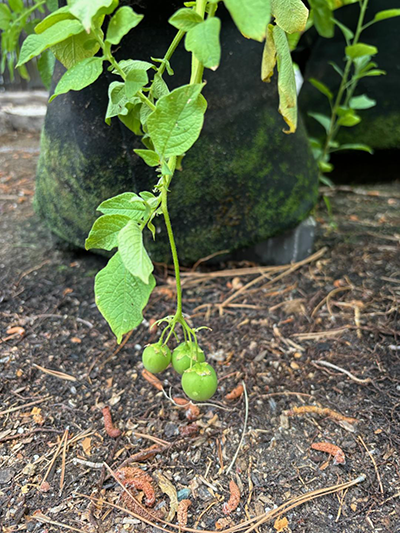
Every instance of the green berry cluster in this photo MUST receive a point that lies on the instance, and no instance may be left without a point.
(199, 380)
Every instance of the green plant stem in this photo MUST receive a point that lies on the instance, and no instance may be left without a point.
(28, 12)
(197, 67)
(110, 58)
(196, 77)
(164, 207)
(172, 47)
(114, 63)
(333, 128)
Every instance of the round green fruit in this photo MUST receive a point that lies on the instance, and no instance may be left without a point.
(200, 382)
(184, 353)
(156, 358)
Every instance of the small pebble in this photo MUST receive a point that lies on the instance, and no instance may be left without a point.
(183, 494)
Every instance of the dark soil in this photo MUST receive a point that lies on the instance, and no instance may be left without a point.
(341, 308)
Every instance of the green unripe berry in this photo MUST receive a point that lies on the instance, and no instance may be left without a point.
(184, 354)
(200, 382)
(156, 358)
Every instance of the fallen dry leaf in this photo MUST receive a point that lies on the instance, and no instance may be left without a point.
(281, 524)
(167, 487)
(36, 415)
(86, 444)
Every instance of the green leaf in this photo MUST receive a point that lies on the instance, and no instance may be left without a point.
(336, 68)
(45, 66)
(151, 200)
(117, 101)
(16, 5)
(149, 157)
(329, 183)
(75, 49)
(356, 146)
(87, 10)
(348, 34)
(374, 72)
(362, 102)
(176, 123)
(104, 233)
(152, 228)
(79, 76)
(144, 114)
(133, 253)
(57, 16)
(165, 62)
(52, 5)
(5, 17)
(322, 88)
(250, 16)
(159, 87)
(132, 119)
(322, 16)
(135, 80)
(166, 171)
(36, 44)
(133, 64)
(324, 166)
(185, 19)
(322, 119)
(203, 41)
(360, 50)
(386, 14)
(269, 56)
(349, 119)
(290, 15)
(121, 297)
(121, 23)
(316, 147)
(127, 203)
(286, 80)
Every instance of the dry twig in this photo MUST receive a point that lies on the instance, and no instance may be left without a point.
(246, 415)
(255, 521)
(55, 373)
(24, 406)
(339, 369)
(373, 462)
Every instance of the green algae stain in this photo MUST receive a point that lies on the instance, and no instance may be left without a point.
(224, 198)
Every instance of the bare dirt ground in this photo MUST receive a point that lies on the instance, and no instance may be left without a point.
(272, 329)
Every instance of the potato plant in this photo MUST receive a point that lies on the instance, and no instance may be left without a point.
(346, 106)
(83, 36)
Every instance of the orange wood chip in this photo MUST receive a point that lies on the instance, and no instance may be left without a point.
(112, 431)
(138, 479)
(324, 411)
(332, 449)
(192, 411)
(152, 379)
(235, 393)
(234, 499)
(183, 512)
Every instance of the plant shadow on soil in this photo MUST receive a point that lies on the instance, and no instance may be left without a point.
(341, 308)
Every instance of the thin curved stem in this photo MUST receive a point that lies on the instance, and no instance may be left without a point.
(164, 207)
(197, 67)
(168, 54)
(333, 127)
